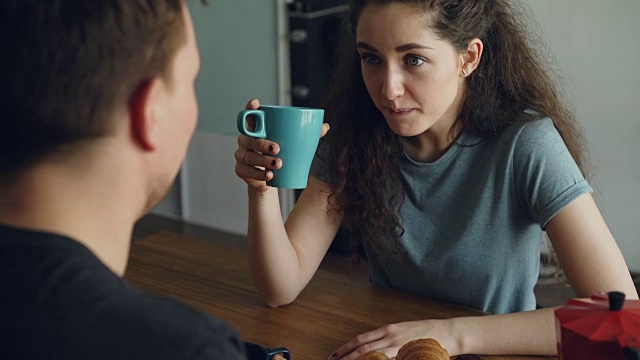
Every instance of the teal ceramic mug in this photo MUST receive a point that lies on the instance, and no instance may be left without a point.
(296, 130)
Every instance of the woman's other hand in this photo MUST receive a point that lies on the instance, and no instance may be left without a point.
(390, 338)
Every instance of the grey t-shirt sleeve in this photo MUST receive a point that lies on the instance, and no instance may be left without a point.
(546, 176)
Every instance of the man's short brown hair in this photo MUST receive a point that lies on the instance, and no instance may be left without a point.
(67, 64)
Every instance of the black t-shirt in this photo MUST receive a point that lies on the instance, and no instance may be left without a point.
(58, 301)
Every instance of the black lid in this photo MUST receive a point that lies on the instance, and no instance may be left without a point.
(632, 353)
(616, 300)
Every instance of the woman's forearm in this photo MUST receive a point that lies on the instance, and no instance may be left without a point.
(273, 261)
(530, 332)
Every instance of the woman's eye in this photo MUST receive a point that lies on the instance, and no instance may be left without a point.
(370, 59)
(414, 60)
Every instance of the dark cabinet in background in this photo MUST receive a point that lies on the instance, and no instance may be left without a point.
(314, 28)
(313, 34)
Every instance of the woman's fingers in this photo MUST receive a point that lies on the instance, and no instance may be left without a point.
(325, 129)
(360, 345)
(251, 173)
(259, 145)
(252, 104)
(253, 165)
(378, 346)
(254, 158)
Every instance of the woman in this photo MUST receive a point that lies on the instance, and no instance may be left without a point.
(449, 153)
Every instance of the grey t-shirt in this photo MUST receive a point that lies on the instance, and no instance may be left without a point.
(474, 218)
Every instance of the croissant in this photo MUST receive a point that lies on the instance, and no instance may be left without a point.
(421, 349)
(373, 356)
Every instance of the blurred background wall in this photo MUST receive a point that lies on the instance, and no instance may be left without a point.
(594, 48)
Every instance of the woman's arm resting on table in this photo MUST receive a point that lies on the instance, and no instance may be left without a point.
(591, 261)
(530, 333)
(588, 253)
(283, 258)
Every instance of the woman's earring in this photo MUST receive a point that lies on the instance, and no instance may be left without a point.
(465, 73)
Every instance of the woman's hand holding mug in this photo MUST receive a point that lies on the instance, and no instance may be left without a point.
(251, 165)
(260, 160)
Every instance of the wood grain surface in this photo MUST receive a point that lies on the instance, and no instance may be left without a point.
(213, 276)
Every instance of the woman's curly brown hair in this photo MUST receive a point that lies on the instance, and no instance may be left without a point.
(364, 154)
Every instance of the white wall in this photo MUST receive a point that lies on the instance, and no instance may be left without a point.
(243, 49)
(212, 194)
(597, 50)
(238, 45)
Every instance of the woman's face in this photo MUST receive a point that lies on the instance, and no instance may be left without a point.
(414, 78)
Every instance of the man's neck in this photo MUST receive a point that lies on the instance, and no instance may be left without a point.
(91, 206)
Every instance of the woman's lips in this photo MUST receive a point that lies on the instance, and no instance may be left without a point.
(400, 112)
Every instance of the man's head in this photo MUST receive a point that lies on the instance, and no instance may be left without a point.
(73, 70)
(68, 66)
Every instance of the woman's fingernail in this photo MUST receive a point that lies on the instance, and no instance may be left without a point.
(273, 163)
(271, 148)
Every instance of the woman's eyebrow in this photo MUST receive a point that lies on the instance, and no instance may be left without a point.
(401, 48)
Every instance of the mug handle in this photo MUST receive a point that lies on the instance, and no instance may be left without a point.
(259, 132)
(278, 351)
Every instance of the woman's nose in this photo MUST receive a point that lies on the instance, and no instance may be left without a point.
(392, 85)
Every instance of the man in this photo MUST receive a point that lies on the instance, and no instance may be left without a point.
(96, 112)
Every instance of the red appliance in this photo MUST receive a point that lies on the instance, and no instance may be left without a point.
(604, 327)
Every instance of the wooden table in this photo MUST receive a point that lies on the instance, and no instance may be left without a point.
(214, 277)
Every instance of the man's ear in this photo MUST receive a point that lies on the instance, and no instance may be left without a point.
(470, 58)
(144, 112)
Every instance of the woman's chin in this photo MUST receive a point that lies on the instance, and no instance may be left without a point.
(405, 130)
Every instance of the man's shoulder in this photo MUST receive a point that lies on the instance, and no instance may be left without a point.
(57, 292)
(167, 313)
(123, 324)
(173, 327)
